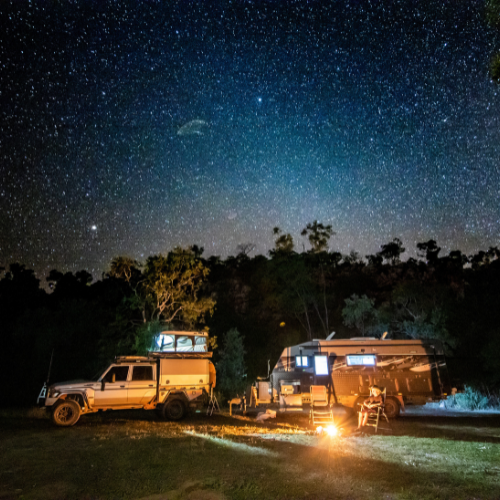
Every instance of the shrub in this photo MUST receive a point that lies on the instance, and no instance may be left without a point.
(231, 367)
(474, 399)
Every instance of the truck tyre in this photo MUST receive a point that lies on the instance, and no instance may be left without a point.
(174, 409)
(66, 413)
(392, 408)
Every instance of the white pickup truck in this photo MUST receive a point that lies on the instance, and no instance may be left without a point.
(169, 382)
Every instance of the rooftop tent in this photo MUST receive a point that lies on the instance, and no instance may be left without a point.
(171, 341)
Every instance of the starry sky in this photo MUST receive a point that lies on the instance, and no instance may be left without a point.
(130, 127)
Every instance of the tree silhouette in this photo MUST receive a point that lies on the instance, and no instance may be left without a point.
(318, 236)
(429, 250)
(360, 312)
(284, 242)
(392, 251)
(124, 268)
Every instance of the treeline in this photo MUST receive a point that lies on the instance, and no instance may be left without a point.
(273, 301)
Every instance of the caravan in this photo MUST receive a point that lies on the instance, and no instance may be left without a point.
(412, 372)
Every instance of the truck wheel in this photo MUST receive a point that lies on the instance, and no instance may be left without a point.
(174, 409)
(392, 407)
(66, 413)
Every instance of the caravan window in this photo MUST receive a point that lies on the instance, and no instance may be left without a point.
(321, 365)
(361, 360)
(302, 361)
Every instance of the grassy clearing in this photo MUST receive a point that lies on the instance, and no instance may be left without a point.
(134, 456)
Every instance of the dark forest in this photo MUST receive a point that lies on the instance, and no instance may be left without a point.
(273, 301)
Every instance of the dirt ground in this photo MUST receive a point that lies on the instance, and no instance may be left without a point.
(427, 453)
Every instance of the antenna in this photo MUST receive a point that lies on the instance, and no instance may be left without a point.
(43, 393)
(384, 335)
(50, 367)
(330, 336)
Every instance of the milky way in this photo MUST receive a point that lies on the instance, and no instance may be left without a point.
(128, 128)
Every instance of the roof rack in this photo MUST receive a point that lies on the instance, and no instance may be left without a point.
(180, 355)
(163, 355)
(180, 332)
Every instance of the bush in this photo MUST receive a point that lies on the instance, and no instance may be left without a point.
(231, 367)
(473, 399)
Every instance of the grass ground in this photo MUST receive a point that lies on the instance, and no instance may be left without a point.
(132, 455)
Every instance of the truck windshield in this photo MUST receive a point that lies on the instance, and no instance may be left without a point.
(97, 376)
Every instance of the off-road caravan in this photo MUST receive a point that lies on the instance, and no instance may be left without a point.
(411, 371)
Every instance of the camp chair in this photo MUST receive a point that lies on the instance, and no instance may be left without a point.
(321, 412)
(374, 418)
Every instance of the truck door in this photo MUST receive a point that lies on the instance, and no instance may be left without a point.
(115, 387)
(142, 386)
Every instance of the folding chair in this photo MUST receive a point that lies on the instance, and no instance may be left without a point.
(321, 412)
(374, 418)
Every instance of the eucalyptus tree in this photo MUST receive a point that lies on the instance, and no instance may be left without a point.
(318, 235)
(283, 243)
(172, 287)
(391, 252)
(360, 313)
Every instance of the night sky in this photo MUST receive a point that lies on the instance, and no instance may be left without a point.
(127, 128)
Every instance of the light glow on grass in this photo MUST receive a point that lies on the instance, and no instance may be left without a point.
(234, 445)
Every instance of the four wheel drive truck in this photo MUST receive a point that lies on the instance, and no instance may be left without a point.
(169, 382)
